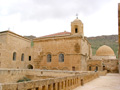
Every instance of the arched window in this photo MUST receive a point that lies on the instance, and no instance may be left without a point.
(73, 68)
(49, 58)
(29, 58)
(14, 56)
(22, 57)
(96, 68)
(89, 68)
(61, 57)
(76, 30)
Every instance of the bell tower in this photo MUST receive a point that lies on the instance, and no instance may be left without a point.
(77, 27)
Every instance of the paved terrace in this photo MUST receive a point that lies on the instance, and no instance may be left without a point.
(108, 82)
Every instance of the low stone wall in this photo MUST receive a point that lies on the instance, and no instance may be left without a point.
(102, 73)
(111, 65)
(13, 75)
(69, 82)
(10, 76)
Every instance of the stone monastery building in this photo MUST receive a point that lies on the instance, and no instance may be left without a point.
(61, 51)
(61, 61)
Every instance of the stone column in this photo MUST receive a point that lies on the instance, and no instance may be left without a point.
(63, 85)
(46, 87)
(59, 86)
(51, 87)
(56, 86)
(66, 88)
(40, 88)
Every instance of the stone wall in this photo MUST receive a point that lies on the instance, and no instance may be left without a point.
(3, 37)
(102, 73)
(72, 80)
(18, 44)
(103, 57)
(85, 47)
(111, 65)
(9, 75)
(68, 45)
(92, 64)
(85, 53)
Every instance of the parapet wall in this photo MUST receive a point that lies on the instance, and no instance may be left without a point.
(68, 81)
(12, 76)
(102, 73)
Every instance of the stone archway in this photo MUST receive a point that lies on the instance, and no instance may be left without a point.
(73, 68)
(29, 66)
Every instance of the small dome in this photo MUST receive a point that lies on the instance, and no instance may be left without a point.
(105, 51)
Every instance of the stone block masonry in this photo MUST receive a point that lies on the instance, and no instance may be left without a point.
(68, 81)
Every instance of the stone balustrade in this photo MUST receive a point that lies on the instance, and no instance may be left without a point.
(68, 82)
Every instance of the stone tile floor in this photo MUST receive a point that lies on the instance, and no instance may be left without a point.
(109, 82)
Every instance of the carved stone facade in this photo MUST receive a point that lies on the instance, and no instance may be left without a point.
(74, 47)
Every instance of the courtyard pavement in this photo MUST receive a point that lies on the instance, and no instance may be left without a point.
(108, 82)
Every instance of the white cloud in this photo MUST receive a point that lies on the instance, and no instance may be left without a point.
(41, 17)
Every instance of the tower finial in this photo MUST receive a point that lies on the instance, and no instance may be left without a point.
(8, 28)
(76, 15)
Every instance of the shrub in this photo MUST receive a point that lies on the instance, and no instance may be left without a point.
(24, 79)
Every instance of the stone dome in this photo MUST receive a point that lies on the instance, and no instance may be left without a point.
(77, 20)
(105, 51)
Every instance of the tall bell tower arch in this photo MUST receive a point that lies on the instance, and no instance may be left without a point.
(77, 27)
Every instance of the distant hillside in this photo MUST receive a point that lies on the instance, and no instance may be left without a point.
(110, 40)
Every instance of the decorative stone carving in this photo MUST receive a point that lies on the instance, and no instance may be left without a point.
(77, 48)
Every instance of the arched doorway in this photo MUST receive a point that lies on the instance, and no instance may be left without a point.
(30, 66)
(73, 68)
